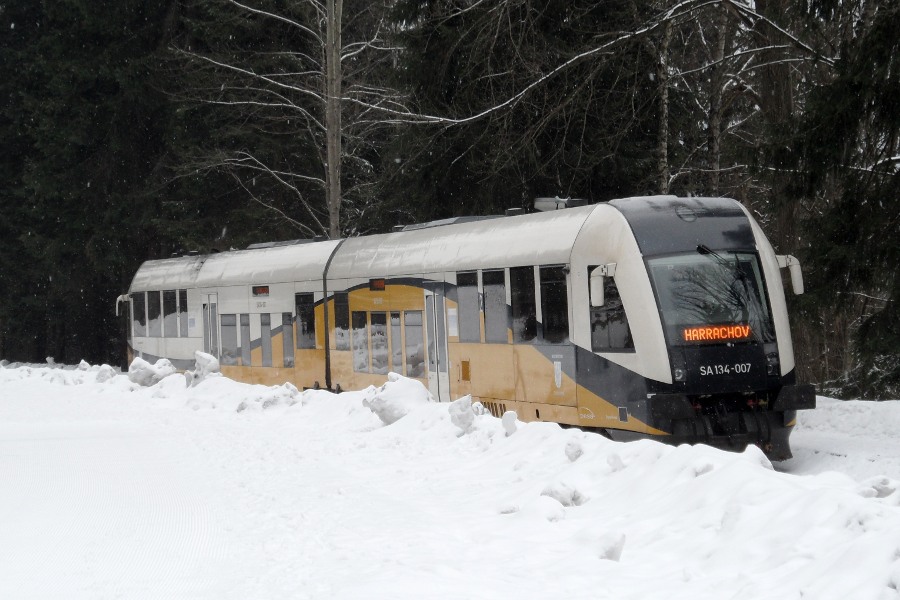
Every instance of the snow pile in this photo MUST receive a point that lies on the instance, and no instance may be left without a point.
(396, 398)
(225, 490)
(105, 373)
(509, 422)
(205, 365)
(856, 436)
(461, 414)
(144, 374)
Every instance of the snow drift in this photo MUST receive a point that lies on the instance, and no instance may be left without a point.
(229, 490)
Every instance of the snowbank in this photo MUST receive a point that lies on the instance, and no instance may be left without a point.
(143, 373)
(227, 490)
(396, 398)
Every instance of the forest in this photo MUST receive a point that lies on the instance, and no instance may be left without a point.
(135, 129)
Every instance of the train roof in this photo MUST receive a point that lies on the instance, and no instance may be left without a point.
(507, 241)
(658, 222)
(294, 262)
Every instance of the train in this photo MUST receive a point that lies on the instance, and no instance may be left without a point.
(656, 317)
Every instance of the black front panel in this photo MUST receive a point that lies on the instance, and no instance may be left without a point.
(723, 369)
(664, 225)
(614, 383)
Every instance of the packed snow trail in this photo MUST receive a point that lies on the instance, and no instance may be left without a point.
(225, 490)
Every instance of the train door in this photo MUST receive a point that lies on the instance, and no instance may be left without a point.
(436, 333)
(211, 324)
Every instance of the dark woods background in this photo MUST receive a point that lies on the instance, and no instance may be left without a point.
(134, 129)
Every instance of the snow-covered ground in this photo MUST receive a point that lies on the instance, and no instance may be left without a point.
(110, 489)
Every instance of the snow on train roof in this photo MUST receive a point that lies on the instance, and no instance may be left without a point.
(537, 238)
(508, 241)
(298, 262)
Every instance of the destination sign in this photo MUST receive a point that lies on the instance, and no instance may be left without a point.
(716, 333)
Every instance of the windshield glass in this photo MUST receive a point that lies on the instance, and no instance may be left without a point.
(708, 297)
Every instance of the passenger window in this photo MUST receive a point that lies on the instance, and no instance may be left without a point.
(170, 317)
(469, 311)
(245, 340)
(415, 344)
(154, 314)
(379, 342)
(396, 344)
(228, 325)
(183, 314)
(306, 321)
(341, 321)
(139, 314)
(496, 316)
(265, 324)
(609, 325)
(287, 339)
(554, 305)
(524, 307)
(360, 343)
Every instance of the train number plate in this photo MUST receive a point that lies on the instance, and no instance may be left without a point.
(725, 369)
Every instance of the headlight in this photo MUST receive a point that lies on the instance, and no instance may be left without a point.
(772, 364)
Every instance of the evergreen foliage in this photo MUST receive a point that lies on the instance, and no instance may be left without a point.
(85, 116)
(850, 142)
(587, 131)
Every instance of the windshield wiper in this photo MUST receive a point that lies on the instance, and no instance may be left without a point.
(736, 271)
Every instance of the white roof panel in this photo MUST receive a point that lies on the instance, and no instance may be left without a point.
(297, 262)
(538, 238)
(509, 241)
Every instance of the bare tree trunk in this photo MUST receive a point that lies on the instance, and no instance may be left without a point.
(777, 104)
(334, 9)
(662, 143)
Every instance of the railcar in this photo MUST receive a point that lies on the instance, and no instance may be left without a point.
(657, 317)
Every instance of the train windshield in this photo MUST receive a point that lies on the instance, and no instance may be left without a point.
(709, 297)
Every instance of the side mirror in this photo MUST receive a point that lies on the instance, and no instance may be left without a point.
(119, 300)
(598, 282)
(796, 274)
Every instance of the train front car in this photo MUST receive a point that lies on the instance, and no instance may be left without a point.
(727, 377)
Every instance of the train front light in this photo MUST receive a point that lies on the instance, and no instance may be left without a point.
(773, 366)
(679, 372)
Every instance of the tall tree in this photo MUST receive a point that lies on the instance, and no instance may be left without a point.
(851, 155)
(540, 98)
(90, 125)
(294, 79)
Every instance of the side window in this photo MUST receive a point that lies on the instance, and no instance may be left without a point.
(170, 316)
(554, 305)
(287, 339)
(183, 314)
(396, 344)
(360, 343)
(265, 324)
(306, 321)
(139, 314)
(154, 314)
(609, 325)
(469, 311)
(228, 324)
(245, 340)
(415, 343)
(524, 307)
(341, 321)
(496, 317)
(379, 341)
